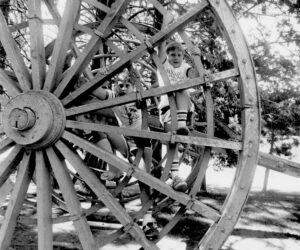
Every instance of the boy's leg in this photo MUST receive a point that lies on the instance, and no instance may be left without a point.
(114, 173)
(149, 224)
(178, 183)
(145, 165)
(182, 102)
(118, 142)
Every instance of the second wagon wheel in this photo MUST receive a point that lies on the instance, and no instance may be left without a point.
(50, 78)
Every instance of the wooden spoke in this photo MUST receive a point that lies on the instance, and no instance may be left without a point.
(57, 17)
(98, 5)
(103, 30)
(44, 204)
(227, 130)
(120, 231)
(119, 52)
(133, 29)
(66, 186)
(5, 190)
(25, 24)
(201, 171)
(171, 223)
(62, 44)
(10, 163)
(16, 201)
(4, 143)
(142, 176)
(126, 23)
(38, 60)
(106, 197)
(53, 10)
(158, 6)
(3, 101)
(9, 85)
(14, 55)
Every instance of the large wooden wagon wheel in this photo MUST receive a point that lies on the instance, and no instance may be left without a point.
(40, 140)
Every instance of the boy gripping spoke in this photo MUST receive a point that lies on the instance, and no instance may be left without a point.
(178, 71)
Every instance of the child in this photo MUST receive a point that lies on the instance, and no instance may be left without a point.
(130, 116)
(177, 70)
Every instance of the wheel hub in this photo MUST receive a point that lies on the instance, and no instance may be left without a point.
(34, 119)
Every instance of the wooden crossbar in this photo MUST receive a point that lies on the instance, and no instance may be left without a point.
(150, 93)
(154, 41)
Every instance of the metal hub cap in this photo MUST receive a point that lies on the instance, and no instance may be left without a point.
(34, 119)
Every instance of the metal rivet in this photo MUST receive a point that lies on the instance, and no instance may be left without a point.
(281, 165)
(244, 61)
(148, 44)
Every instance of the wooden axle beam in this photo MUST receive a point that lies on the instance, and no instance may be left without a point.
(278, 164)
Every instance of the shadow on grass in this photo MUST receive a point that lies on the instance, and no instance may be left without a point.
(263, 234)
(278, 213)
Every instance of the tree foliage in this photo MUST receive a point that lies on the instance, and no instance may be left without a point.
(276, 56)
(275, 51)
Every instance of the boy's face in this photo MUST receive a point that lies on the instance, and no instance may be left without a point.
(175, 58)
(125, 88)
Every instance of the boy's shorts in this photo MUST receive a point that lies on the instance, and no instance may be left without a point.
(135, 143)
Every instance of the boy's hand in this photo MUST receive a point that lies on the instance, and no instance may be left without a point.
(195, 51)
(103, 70)
(81, 81)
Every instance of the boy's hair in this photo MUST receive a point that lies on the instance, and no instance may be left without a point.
(127, 79)
(173, 46)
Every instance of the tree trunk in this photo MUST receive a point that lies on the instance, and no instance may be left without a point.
(267, 170)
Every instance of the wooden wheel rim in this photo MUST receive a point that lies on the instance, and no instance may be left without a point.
(57, 103)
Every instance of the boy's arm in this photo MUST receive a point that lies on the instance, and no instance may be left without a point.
(101, 93)
(192, 72)
(168, 18)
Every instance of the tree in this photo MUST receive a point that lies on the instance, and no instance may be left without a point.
(277, 67)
